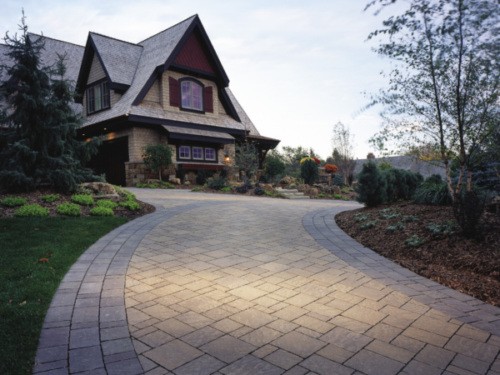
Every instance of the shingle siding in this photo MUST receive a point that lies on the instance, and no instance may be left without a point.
(96, 71)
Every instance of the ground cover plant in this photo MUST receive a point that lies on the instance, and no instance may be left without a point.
(428, 241)
(35, 255)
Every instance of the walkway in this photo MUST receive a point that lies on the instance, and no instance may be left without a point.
(221, 284)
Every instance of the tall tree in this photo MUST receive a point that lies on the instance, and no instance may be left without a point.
(40, 145)
(343, 151)
(443, 89)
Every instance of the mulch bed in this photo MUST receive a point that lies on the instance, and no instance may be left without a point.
(36, 197)
(471, 266)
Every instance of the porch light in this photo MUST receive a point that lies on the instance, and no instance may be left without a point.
(227, 159)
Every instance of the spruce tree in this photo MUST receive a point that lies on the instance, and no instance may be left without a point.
(40, 148)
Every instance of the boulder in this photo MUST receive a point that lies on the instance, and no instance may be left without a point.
(99, 189)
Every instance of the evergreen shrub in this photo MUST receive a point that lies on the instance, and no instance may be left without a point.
(371, 187)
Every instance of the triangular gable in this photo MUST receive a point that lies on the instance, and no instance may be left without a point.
(88, 58)
(194, 56)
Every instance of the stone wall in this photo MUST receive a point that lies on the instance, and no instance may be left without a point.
(136, 172)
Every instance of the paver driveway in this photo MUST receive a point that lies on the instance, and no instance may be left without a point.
(221, 284)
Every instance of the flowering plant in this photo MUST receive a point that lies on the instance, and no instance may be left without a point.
(331, 168)
(313, 158)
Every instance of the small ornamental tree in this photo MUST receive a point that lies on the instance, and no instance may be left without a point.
(371, 185)
(247, 159)
(309, 169)
(274, 165)
(157, 157)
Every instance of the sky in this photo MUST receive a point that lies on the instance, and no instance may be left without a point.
(296, 67)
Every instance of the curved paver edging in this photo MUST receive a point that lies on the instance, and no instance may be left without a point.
(85, 328)
(321, 226)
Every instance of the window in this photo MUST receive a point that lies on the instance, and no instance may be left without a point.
(198, 153)
(191, 95)
(210, 154)
(98, 97)
(184, 152)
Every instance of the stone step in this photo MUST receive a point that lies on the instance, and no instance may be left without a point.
(292, 193)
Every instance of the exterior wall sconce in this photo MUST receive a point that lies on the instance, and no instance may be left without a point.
(227, 159)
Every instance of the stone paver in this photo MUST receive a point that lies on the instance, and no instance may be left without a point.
(217, 284)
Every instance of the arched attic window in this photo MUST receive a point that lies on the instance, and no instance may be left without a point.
(191, 94)
(194, 96)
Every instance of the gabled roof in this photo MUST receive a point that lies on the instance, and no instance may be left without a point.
(158, 53)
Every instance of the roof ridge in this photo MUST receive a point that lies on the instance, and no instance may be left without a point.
(168, 28)
(118, 40)
(57, 40)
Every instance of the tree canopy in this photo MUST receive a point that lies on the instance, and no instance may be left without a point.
(443, 88)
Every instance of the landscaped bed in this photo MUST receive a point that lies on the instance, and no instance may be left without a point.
(425, 240)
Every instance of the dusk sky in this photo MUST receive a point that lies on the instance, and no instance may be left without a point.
(297, 67)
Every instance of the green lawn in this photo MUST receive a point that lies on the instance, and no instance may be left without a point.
(28, 284)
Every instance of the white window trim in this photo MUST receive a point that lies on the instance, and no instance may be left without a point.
(214, 151)
(189, 152)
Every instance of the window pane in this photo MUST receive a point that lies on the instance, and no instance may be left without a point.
(98, 97)
(198, 153)
(210, 154)
(191, 95)
(184, 152)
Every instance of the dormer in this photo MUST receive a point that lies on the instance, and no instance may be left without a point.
(107, 71)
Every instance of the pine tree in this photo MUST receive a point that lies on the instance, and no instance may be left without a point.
(40, 148)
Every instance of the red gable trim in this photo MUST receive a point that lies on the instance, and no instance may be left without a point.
(192, 55)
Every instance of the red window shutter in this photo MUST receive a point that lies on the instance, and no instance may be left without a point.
(174, 92)
(208, 98)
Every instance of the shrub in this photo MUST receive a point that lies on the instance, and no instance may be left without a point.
(359, 217)
(49, 198)
(371, 185)
(155, 185)
(438, 229)
(13, 201)
(107, 203)
(82, 199)
(226, 189)
(202, 175)
(274, 166)
(433, 191)
(395, 227)
(216, 183)
(400, 184)
(414, 241)
(259, 191)
(130, 205)
(32, 210)
(368, 224)
(124, 193)
(242, 189)
(338, 179)
(68, 209)
(101, 211)
(309, 171)
(331, 168)
(387, 214)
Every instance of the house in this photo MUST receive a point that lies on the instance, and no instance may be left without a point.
(170, 88)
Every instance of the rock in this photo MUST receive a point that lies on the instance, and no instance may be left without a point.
(175, 180)
(187, 183)
(336, 190)
(99, 188)
(287, 180)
